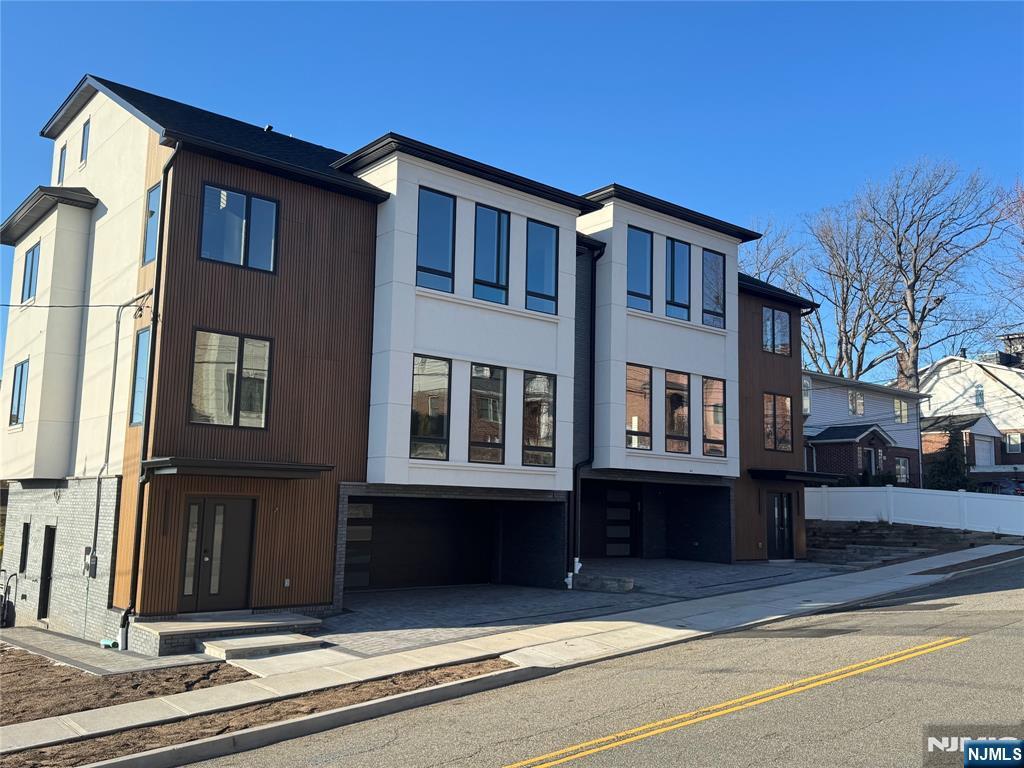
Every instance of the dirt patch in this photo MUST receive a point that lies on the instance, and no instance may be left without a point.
(201, 726)
(35, 687)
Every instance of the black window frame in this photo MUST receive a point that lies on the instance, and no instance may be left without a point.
(554, 422)
(669, 436)
(775, 396)
(26, 283)
(504, 413)
(83, 154)
(703, 282)
(771, 345)
(497, 253)
(446, 440)
(62, 162)
(145, 224)
(135, 375)
(419, 218)
(1020, 443)
(246, 228)
(538, 294)
(26, 536)
(19, 393)
(650, 411)
(704, 419)
(670, 278)
(237, 398)
(649, 296)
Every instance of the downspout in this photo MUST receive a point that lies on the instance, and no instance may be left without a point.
(144, 448)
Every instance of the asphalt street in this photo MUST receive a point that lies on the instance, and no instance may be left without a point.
(853, 688)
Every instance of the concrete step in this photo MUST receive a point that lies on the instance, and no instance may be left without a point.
(251, 646)
(595, 582)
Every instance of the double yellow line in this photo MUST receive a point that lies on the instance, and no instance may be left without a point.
(614, 740)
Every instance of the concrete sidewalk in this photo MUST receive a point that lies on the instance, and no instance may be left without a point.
(553, 646)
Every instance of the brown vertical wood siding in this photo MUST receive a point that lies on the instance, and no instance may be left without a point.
(317, 308)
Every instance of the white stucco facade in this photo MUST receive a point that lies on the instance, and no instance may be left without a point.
(629, 336)
(410, 320)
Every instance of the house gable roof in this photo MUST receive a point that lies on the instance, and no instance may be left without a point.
(831, 380)
(978, 423)
(38, 205)
(755, 287)
(848, 433)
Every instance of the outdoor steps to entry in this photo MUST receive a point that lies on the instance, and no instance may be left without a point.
(251, 646)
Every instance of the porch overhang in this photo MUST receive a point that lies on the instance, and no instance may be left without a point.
(275, 470)
(795, 475)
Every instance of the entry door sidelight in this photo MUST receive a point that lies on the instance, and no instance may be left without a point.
(780, 522)
(215, 555)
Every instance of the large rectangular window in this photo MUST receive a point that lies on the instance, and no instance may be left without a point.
(538, 419)
(140, 376)
(219, 394)
(19, 393)
(490, 255)
(775, 331)
(62, 163)
(85, 142)
(435, 241)
(714, 289)
(714, 417)
(639, 263)
(677, 279)
(638, 407)
(778, 422)
(1013, 442)
(856, 401)
(238, 229)
(431, 401)
(902, 470)
(541, 267)
(152, 224)
(901, 410)
(677, 412)
(30, 274)
(487, 414)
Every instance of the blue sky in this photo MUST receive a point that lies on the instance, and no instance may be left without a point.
(738, 110)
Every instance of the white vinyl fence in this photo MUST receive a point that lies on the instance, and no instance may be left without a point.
(915, 506)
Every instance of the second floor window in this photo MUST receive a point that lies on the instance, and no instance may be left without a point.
(538, 419)
(230, 378)
(152, 224)
(775, 331)
(435, 241)
(62, 163)
(677, 279)
(714, 288)
(85, 142)
(778, 422)
(979, 395)
(714, 417)
(431, 401)
(638, 407)
(1013, 442)
(901, 410)
(677, 412)
(30, 274)
(487, 414)
(541, 267)
(19, 393)
(490, 255)
(639, 261)
(805, 392)
(140, 376)
(856, 402)
(238, 229)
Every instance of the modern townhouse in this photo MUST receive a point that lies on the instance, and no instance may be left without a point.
(861, 430)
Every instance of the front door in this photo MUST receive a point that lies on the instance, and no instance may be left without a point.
(46, 572)
(215, 556)
(622, 522)
(780, 526)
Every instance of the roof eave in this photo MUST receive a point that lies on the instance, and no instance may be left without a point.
(768, 291)
(37, 206)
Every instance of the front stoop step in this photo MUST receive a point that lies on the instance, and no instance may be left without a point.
(598, 583)
(252, 646)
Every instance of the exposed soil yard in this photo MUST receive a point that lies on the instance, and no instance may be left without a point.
(201, 726)
(33, 687)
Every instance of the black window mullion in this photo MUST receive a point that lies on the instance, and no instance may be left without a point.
(238, 382)
(245, 230)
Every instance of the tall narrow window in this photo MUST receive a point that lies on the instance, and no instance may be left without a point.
(856, 402)
(638, 406)
(538, 419)
(490, 256)
(677, 412)
(901, 410)
(487, 414)
(677, 279)
(62, 162)
(639, 263)
(714, 289)
(805, 391)
(778, 422)
(435, 241)
(541, 267)
(26, 534)
(140, 376)
(979, 395)
(238, 229)
(30, 274)
(219, 395)
(19, 392)
(191, 543)
(902, 470)
(775, 331)
(714, 417)
(1013, 442)
(152, 224)
(218, 547)
(85, 142)
(431, 398)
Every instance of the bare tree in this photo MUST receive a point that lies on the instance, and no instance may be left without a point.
(771, 257)
(929, 224)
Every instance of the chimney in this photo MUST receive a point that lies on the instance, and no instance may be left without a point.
(963, 352)
(268, 128)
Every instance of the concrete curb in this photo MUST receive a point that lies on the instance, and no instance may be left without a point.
(271, 733)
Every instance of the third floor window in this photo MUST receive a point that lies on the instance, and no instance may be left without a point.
(238, 229)
(775, 331)
(677, 279)
(30, 275)
(435, 241)
(152, 224)
(639, 260)
(714, 289)
(490, 255)
(541, 267)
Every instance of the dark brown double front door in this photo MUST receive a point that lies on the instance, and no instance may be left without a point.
(216, 553)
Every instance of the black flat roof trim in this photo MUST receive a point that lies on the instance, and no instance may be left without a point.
(590, 242)
(38, 205)
(751, 285)
(628, 195)
(393, 142)
(176, 465)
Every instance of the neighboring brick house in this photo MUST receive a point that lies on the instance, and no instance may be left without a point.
(982, 439)
(860, 430)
